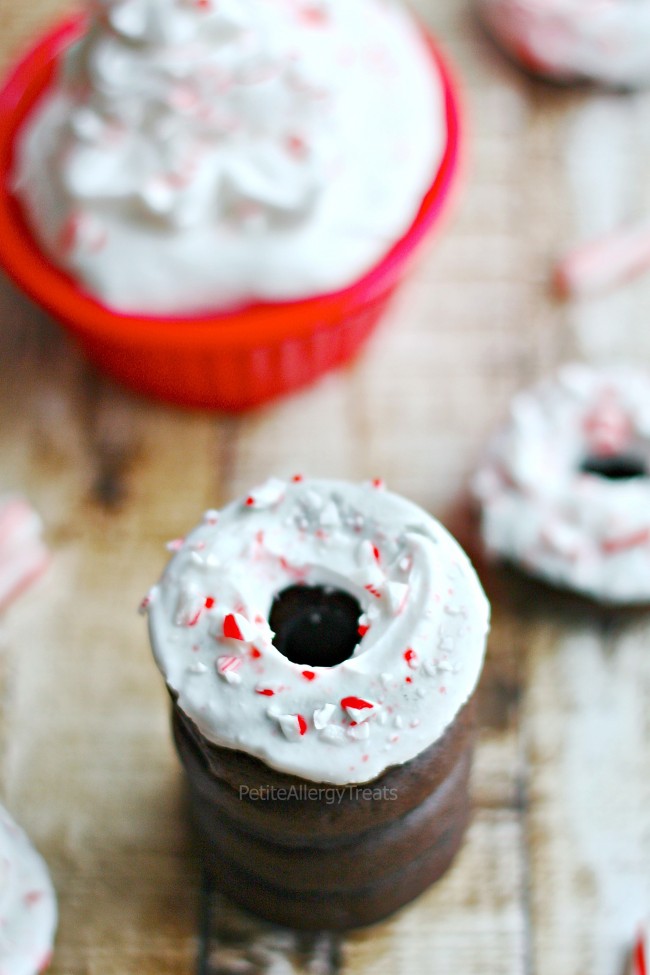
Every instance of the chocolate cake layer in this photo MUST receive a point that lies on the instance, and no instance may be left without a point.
(344, 909)
(319, 856)
(226, 778)
(342, 866)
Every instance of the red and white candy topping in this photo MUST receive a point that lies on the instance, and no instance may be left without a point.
(28, 913)
(23, 555)
(564, 486)
(421, 631)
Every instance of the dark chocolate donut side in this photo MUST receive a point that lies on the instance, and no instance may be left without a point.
(313, 864)
(220, 775)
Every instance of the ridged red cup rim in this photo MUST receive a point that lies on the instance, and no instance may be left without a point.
(242, 328)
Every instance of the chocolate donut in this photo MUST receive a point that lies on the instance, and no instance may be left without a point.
(322, 643)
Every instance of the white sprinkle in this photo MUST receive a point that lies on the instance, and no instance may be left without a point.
(398, 722)
(267, 495)
(396, 595)
(329, 516)
(361, 714)
(197, 668)
(211, 516)
(360, 732)
(322, 716)
(446, 643)
(333, 734)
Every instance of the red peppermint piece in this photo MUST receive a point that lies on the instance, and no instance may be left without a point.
(357, 708)
(227, 668)
(612, 545)
(639, 960)
(362, 629)
(373, 591)
(231, 628)
(378, 483)
(293, 726)
(209, 602)
(265, 692)
(297, 478)
(357, 703)
(255, 653)
(309, 675)
(411, 658)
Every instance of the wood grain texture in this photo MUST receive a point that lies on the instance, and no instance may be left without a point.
(555, 873)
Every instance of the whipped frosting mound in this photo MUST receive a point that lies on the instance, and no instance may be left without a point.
(196, 155)
(422, 630)
(606, 41)
(564, 485)
(28, 913)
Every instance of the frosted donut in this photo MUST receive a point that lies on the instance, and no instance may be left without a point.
(564, 486)
(604, 41)
(28, 912)
(322, 643)
(341, 713)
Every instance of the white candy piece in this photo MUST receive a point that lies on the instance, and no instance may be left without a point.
(323, 716)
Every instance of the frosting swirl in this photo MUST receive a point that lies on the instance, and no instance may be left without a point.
(196, 154)
(422, 630)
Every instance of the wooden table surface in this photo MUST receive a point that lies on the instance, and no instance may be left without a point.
(555, 873)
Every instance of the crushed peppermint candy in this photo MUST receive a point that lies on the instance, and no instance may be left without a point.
(411, 658)
(237, 627)
(360, 732)
(323, 716)
(267, 495)
(197, 668)
(333, 734)
(396, 595)
(228, 667)
(357, 708)
(293, 726)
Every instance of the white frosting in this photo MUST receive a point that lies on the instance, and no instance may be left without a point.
(606, 41)
(28, 914)
(424, 624)
(197, 154)
(575, 529)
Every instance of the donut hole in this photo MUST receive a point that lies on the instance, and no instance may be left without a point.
(622, 467)
(315, 625)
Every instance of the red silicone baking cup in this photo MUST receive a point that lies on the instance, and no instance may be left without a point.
(228, 360)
